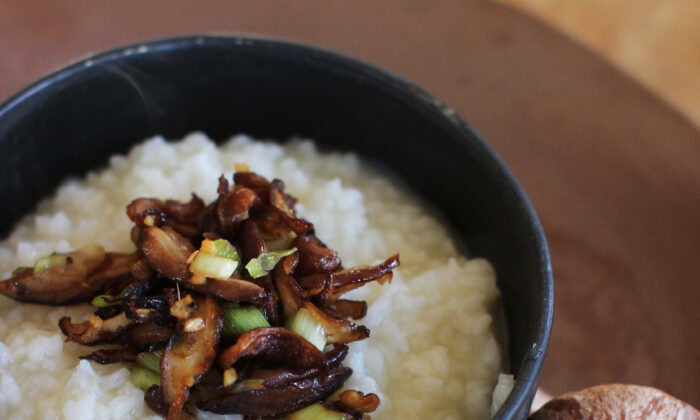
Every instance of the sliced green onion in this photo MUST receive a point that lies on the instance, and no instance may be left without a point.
(102, 301)
(19, 270)
(143, 378)
(219, 248)
(150, 360)
(260, 266)
(44, 263)
(318, 412)
(88, 254)
(224, 249)
(238, 320)
(206, 265)
(304, 324)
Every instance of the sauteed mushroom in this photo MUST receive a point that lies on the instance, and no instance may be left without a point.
(74, 277)
(189, 356)
(242, 282)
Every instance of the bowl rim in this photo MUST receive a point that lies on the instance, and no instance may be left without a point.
(532, 365)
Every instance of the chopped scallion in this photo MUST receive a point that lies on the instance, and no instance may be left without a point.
(318, 412)
(265, 262)
(150, 360)
(219, 248)
(206, 265)
(226, 250)
(44, 263)
(143, 378)
(102, 301)
(238, 320)
(304, 324)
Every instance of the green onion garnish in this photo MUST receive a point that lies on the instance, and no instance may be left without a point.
(150, 360)
(317, 412)
(44, 263)
(238, 320)
(102, 301)
(206, 265)
(304, 324)
(260, 266)
(226, 250)
(143, 378)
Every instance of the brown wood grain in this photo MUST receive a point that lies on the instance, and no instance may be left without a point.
(613, 172)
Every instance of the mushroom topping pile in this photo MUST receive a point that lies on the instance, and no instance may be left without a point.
(234, 307)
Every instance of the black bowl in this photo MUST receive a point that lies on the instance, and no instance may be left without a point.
(74, 119)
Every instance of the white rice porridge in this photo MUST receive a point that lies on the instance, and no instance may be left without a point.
(432, 353)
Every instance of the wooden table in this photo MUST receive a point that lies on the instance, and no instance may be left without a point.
(613, 172)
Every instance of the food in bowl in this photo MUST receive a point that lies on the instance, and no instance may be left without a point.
(433, 351)
(258, 267)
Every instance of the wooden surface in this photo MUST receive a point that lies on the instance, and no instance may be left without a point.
(654, 41)
(613, 173)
